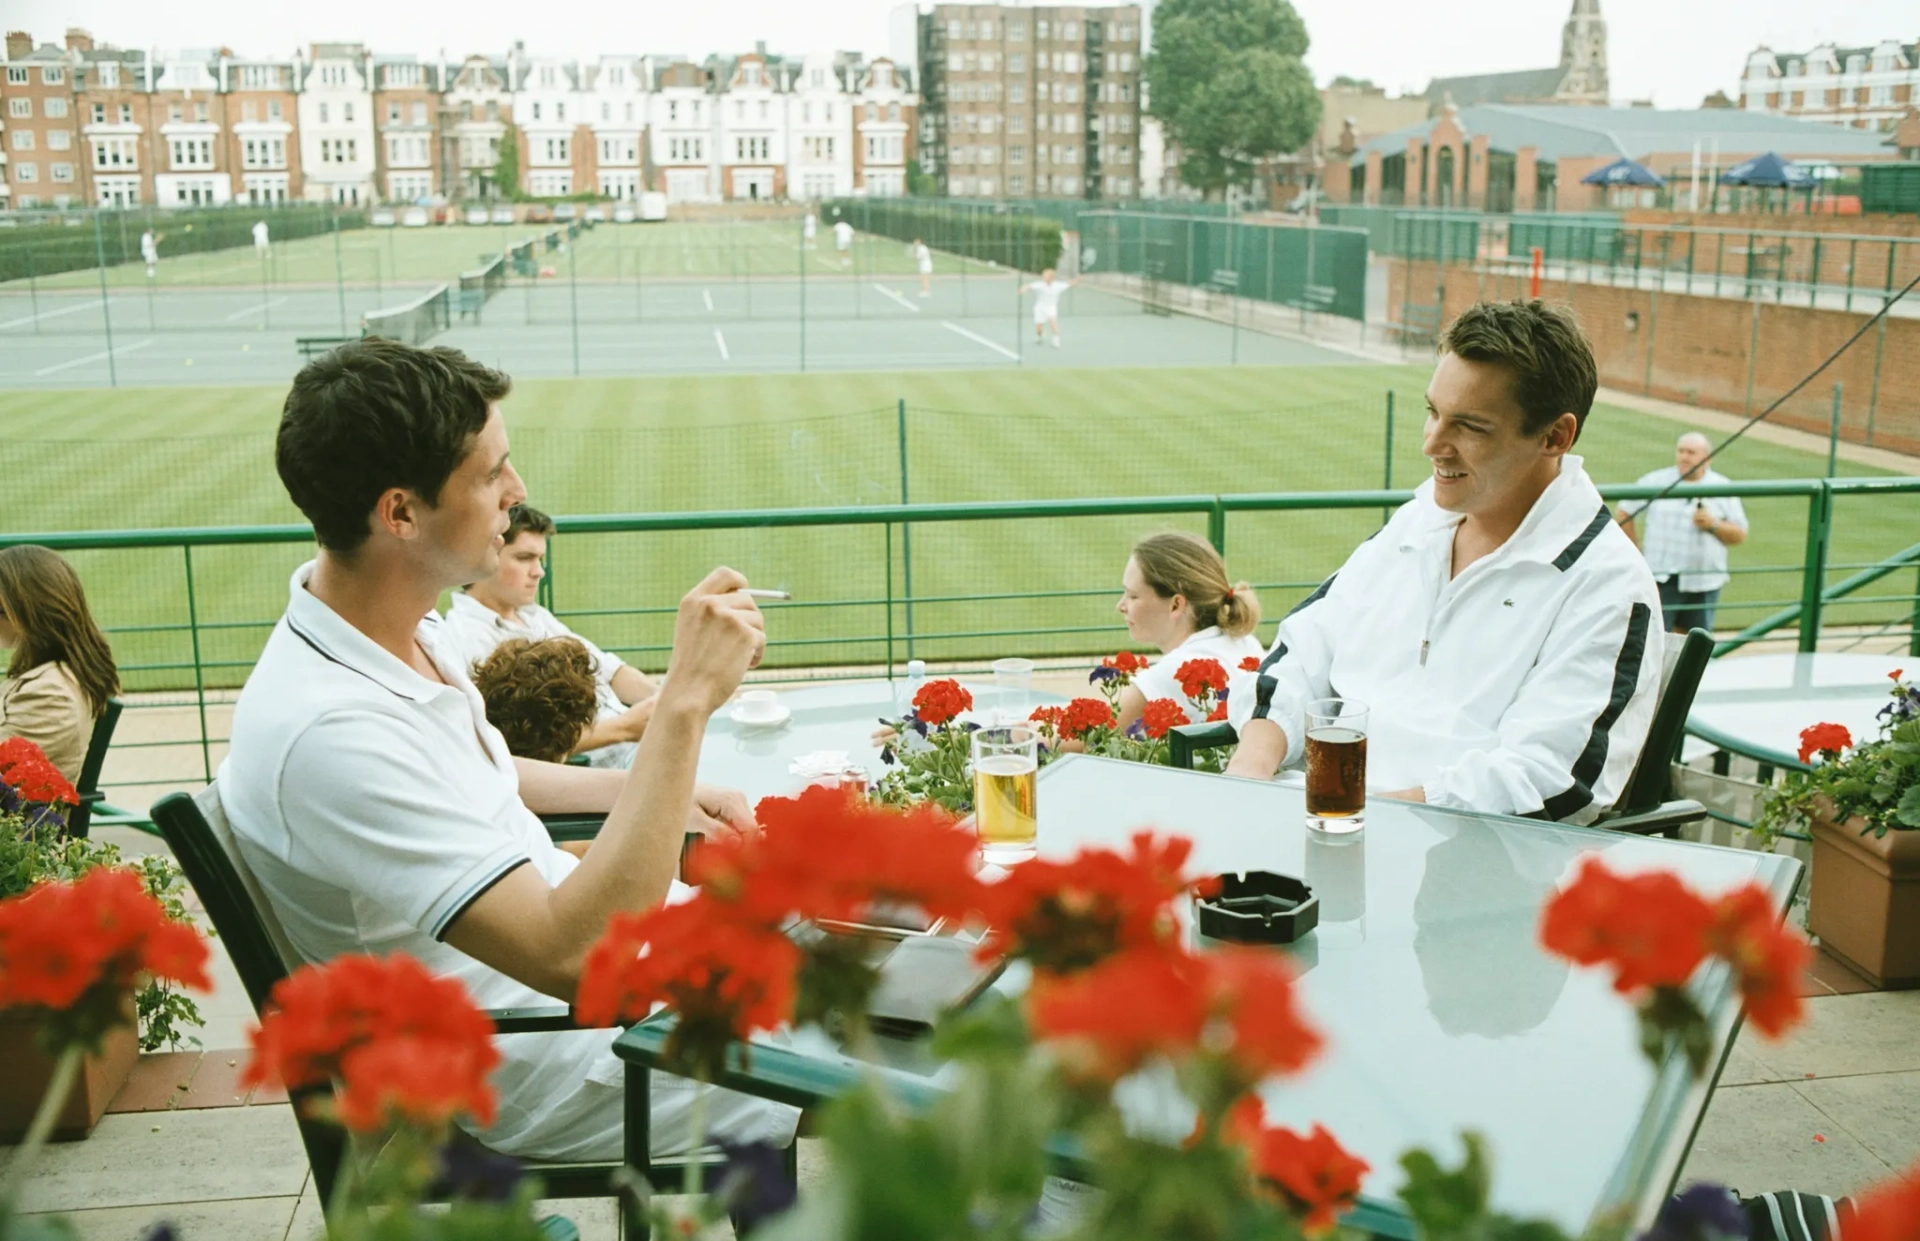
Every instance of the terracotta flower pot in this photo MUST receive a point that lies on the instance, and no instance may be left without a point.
(29, 1069)
(1865, 900)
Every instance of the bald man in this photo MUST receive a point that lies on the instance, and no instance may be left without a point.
(1687, 539)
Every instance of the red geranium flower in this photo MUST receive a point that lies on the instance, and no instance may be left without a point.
(326, 1022)
(16, 750)
(83, 944)
(1083, 715)
(1887, 1212)
(1160, 715)
(724, 978)
(424, 1082)
(1250, 993)
(1199, 677)
(38, 781)
(1650, 928)
(1250, 664)
(830, 853)
(1824, 739)
(1126, 663)
(1049, 718)
(1218, 713)
(940, 701)
(1316, 1175)
(1066, 916)
(1767, 958)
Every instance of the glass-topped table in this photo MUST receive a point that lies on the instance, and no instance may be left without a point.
(1441, 1010)
(831, 716)
(1756, 705)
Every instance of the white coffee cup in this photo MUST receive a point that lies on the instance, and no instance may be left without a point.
(756, 704)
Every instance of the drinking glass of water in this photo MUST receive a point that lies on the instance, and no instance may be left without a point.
(1006, 768)
(1336, 765)
(1013, 681)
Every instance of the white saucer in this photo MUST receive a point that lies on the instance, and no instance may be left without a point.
(761, 722)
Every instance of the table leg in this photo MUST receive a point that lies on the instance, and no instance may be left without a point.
(638, 1142)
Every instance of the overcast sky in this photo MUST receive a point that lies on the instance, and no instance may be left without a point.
(1673, 51)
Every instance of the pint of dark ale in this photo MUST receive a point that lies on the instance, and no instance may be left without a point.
(1336, 764)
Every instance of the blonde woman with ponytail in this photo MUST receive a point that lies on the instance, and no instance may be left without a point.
(1176, 595)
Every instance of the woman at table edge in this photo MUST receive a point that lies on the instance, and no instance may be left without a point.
(61, 672)
(1175, 594)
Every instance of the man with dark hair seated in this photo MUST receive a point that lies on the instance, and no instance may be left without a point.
(540, 695)
(1501, 628)
(381, 812)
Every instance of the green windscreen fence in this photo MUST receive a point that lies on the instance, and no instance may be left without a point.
(1890, 188)
(46, 244)
(1006, 235)
(1323, 269)
(1566, 238)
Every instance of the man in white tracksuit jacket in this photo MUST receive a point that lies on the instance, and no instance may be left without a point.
(1502, 629)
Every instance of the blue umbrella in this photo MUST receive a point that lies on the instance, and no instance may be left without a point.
(1768, 171)
(1624, 171)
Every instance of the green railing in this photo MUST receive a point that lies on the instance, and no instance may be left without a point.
(958, 583)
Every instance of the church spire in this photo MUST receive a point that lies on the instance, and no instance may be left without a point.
(1583, 55)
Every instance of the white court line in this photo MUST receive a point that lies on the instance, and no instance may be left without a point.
(255, 310)
(896, 297)
(93, 357)
(979, 339)
(721, 341)
(48, 314)
(707, 295)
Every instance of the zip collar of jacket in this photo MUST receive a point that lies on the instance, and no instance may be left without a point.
(1568, 515)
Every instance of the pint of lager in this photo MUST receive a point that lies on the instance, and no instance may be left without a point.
(1006, 768)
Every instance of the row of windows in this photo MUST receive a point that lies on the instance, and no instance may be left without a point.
(263, 153)
(817, 149)
(346, 112)
(339, 150)
(31, 172)
(22, 107)
(752, 150)
(191, 152)
(620, 150)
(50, 75)
(419, 113)
(403, 187)
(1886, 62)
(116, 154)
(57, 140)
(262, 77)
(885, 148)
(686, 149)
(1873, 96)
(407, 149)
(550, 184)
(1016, 30)
(1041, 154)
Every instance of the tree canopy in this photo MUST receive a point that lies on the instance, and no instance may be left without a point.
(1227, 79)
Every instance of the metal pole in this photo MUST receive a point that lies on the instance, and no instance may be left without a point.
(1814, 572)
(803, 366)
(1386, 471)
(1753, 353)
(199, 672)
(339, 272)
(263, 292)
(1873, 396)
(106, 311)
(33, 285)
(906, 531)
(573, 306)
(1913, 637)
(1833, 434)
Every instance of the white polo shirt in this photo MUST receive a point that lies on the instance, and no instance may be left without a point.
(374, 806)
(1158, 681)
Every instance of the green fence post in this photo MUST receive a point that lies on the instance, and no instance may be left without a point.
(339, 271)
(801, 225)
(573, 306)
(1833, 434)
(106, 311)
(1913, 634)
(889, 536)
(906, 530)
(199, 671)
(1217, 525)
(1386, 472)
(1814, 569)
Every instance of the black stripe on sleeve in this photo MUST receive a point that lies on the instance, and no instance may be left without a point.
(1578, 547)
(1264, 686)
(1319, 593)
(480, 890)
(1593, 758)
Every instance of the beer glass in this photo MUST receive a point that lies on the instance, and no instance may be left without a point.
(1006, 766)
(1336, 765)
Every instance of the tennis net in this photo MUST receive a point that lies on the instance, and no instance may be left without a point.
(415, 323)
(489, 279)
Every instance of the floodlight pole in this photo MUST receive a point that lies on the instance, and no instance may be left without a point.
(106, 311)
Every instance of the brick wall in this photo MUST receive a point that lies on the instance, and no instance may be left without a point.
(1722, 353)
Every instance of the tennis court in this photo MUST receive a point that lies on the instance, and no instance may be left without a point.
(556, 326)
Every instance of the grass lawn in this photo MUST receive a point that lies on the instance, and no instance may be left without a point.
(741, 249)
(172, 457)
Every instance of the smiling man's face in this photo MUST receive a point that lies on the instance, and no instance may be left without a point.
(1481, 457)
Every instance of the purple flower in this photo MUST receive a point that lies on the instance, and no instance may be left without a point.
(1136, 730)
(886, 755)
(1699, 1213)
(469, 1170)
(1102, 673)
(756, 1183)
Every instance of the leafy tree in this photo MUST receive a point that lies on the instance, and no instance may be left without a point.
(1227, 79)
(506, 173)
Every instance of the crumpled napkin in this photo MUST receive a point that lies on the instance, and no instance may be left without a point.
(822, 765)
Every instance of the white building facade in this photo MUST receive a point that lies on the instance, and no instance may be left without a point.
(883, 129)
(681, 130)
(616, 105)
(337, 155)
(1862, 87)
(820, 143)
(549, 108)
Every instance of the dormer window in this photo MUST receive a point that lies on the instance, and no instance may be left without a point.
(1856, 63)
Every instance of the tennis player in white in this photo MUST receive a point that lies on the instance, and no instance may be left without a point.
(1047, 291)
(923, 259)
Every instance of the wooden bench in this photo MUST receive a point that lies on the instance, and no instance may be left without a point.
(311, 345)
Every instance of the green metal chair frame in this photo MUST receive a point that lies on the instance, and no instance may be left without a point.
(1643, 809)
(194, 828)
(80, 821)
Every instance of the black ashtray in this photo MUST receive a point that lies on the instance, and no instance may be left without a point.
(1259, 907)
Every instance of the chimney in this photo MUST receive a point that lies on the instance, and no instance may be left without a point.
(78, 40)
(19, 44)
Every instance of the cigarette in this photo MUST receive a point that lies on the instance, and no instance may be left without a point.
(755, 593)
